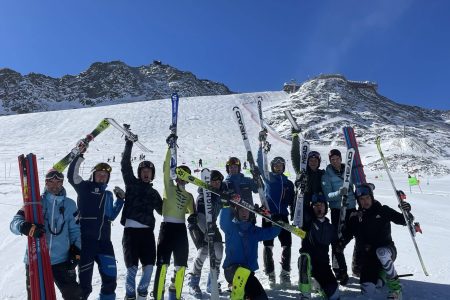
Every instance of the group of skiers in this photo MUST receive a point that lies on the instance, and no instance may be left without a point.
(79, 234)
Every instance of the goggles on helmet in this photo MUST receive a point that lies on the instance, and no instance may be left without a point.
(314, 154)
(102, 167)
(54, 174)
(362, 190)
(233, 161)
(146, 164)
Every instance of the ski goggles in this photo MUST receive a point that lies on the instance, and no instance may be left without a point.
(146, 164)
(363, 190)
(218, 177)
(278, 160)
(314, 154)
(53, 174)
(233, 161)
(102, 167)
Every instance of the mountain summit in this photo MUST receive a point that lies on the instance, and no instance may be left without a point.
(102, 84)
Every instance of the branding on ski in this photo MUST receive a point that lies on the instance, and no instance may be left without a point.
(348, 170)
(240, 122)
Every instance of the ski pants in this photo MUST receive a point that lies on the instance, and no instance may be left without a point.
(377, 260)
(338, 259)
(253, 288)
(138, 245)
(101, 252)
(172, 240)
(285, 238)
(321, 271)
(65, 278)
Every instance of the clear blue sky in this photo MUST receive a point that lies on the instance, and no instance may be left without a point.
(251, 45)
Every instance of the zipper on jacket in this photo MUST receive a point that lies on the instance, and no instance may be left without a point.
(103, 217)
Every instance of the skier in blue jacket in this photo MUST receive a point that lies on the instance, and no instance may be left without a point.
(280, 194)
(241, 251)
(62, 234)
(97, 210)
(237, 182)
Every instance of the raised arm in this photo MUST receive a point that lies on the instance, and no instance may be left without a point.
(125, 163)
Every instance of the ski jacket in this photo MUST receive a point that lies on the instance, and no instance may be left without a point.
(241, 240)
(372, 227)
(61, 228)
(141, 198)
(96, 205)
(278, 189)
(176, 200)
(244, 186)
(320, 235)
(332, 180)
(313, 183)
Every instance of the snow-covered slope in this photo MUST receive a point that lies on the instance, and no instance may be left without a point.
(206, 130)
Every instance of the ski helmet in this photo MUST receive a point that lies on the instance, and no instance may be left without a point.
(364, 189)
(314, 154)
(216, 175)
(101, 167)
(334, 152)
(146, 164)
(319, 198)
(233, 161)
(54, 174)
(185, 168)
(278, 160)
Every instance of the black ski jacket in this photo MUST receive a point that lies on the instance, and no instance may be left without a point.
(372, 227)
(141, 197)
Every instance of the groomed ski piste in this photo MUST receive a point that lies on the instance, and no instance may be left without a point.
(206, 130)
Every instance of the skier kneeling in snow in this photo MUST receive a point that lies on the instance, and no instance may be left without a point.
(61, 232)
(372, 225)
(97, 209)
(241, 252)
(198, 230)
(314, 260)
(138, 236)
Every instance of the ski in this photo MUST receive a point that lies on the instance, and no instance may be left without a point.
(173, 131)
(358, 168)
(40, 269)
(210, 233)
(349, 158)
(125, 129)
(265, 145)
(413, 227)
(253, 168)
(301, 172)
(66, 160)
(264, 213)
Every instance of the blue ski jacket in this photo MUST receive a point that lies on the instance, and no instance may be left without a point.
(244, 186)
(96, 205)
(61, 228)
(241, 240)
(332, 180)
(279, 190)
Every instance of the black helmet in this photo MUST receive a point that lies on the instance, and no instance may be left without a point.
(101, 167)
(278, 160)
(146, 164)
(317, 198)
(334, 152)
(216, 175)
(364, 189)
(314, 154)
(233, 161)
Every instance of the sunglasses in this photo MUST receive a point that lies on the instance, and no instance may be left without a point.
(54, 175)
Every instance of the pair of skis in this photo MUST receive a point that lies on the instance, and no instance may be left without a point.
(40, 269)
(185, 176)
(61, 165)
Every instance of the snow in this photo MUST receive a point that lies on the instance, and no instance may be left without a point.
(206, 130)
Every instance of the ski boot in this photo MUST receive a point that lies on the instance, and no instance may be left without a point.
(285, 278)
(272, 280)
(130, 297)
(305, 296)
(208, 285)
(395, 289)
(194, 288)
(172, 292)
(141, 296)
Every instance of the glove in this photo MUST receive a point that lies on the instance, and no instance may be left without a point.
(171, 139)
(343, 191)
(405, 206)
(295, 131)
(82, 145)
(262, 135)
(33, 230)
(74, 256)
(299, 181)
(401, 194)
(340, 246)
(120, 194)
(255, 172)
(192, 219)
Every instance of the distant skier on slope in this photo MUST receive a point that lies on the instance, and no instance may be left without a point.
(97, 211)
(241, 252)
(62, 233)
(197, 227)
(314, 260)
(333, 190)
(372, 225)
(279, 191)
(138, 240)
(173, 237)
